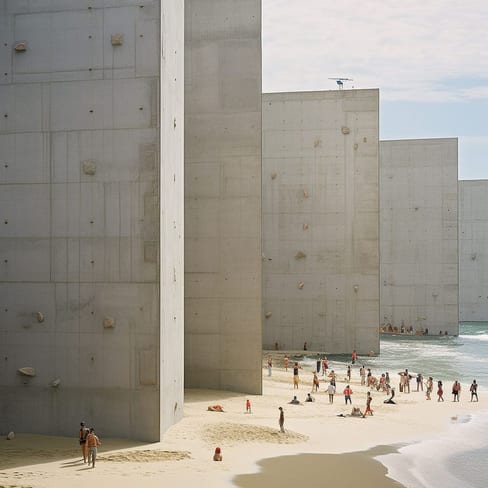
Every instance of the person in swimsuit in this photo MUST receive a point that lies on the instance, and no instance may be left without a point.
(92, 442)
(474, 390)
(296, 367)
(440, 392)
(368, 405)
(456, 389)
(84, 431)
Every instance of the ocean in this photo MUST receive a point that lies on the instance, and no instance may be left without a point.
(456, 458)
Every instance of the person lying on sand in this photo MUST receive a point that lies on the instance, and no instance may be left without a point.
(215, 408)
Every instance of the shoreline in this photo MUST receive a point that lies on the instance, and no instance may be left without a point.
(248, 441)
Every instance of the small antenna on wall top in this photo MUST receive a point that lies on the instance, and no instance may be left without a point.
(340, 82)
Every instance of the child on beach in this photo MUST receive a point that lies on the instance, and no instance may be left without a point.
(217, 454)
(248, 406)
(285, 363)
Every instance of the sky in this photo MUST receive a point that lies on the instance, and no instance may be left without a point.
(429, 58)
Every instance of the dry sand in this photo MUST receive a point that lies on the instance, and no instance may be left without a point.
(254, 452)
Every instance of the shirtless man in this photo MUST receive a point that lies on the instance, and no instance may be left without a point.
(92, 442)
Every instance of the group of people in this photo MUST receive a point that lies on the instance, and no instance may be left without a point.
(89, 443)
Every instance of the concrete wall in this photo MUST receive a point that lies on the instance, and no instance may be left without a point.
(223, 194)
(320, 227)
(83, 153)
(419, 234)
(473, 246)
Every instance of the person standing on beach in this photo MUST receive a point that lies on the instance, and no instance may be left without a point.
(420, 382)
(429, 387)
(406, 385)
(315, 385)
(331, 390)
(296, 367)
(368, 405)
(347, 394)
(84, 431)
(248, 406)
(362, 374)
(474, 390)
(440, 392)
(456, 389)
(285, 362)
(354, 356)
(270, 365)
(319, 363)
(325, 365)
(92, 442)
(281, 420)
(348, 373)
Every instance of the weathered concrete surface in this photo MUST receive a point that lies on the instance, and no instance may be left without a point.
(85, 154)
(223, 194)
(320, 228)
(419, 234)
(473, 255)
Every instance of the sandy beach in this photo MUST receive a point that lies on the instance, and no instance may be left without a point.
(254, 452)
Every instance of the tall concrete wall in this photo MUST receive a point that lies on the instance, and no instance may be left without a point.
(473, 246)
(419, 234)
(223, 194)
(320, 227)
(85, 155)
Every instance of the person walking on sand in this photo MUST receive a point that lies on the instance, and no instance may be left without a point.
(368, 405)
(331, 390)
(270, 365)
(474, 390)
(456, 389)
(347, 394)
(285, 362)
(362, 374)
(296, 367)
(315, 384)
(354, 356)
(92, 442)
(440, 392)
(248, 406)
(84, 431)
(281, 420)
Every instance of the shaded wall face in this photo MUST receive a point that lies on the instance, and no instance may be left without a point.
(223, 194)
(80, 151)
(419, 234)
(320, 227)
(473, 258)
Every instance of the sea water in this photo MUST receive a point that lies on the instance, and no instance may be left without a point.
(457, 457)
